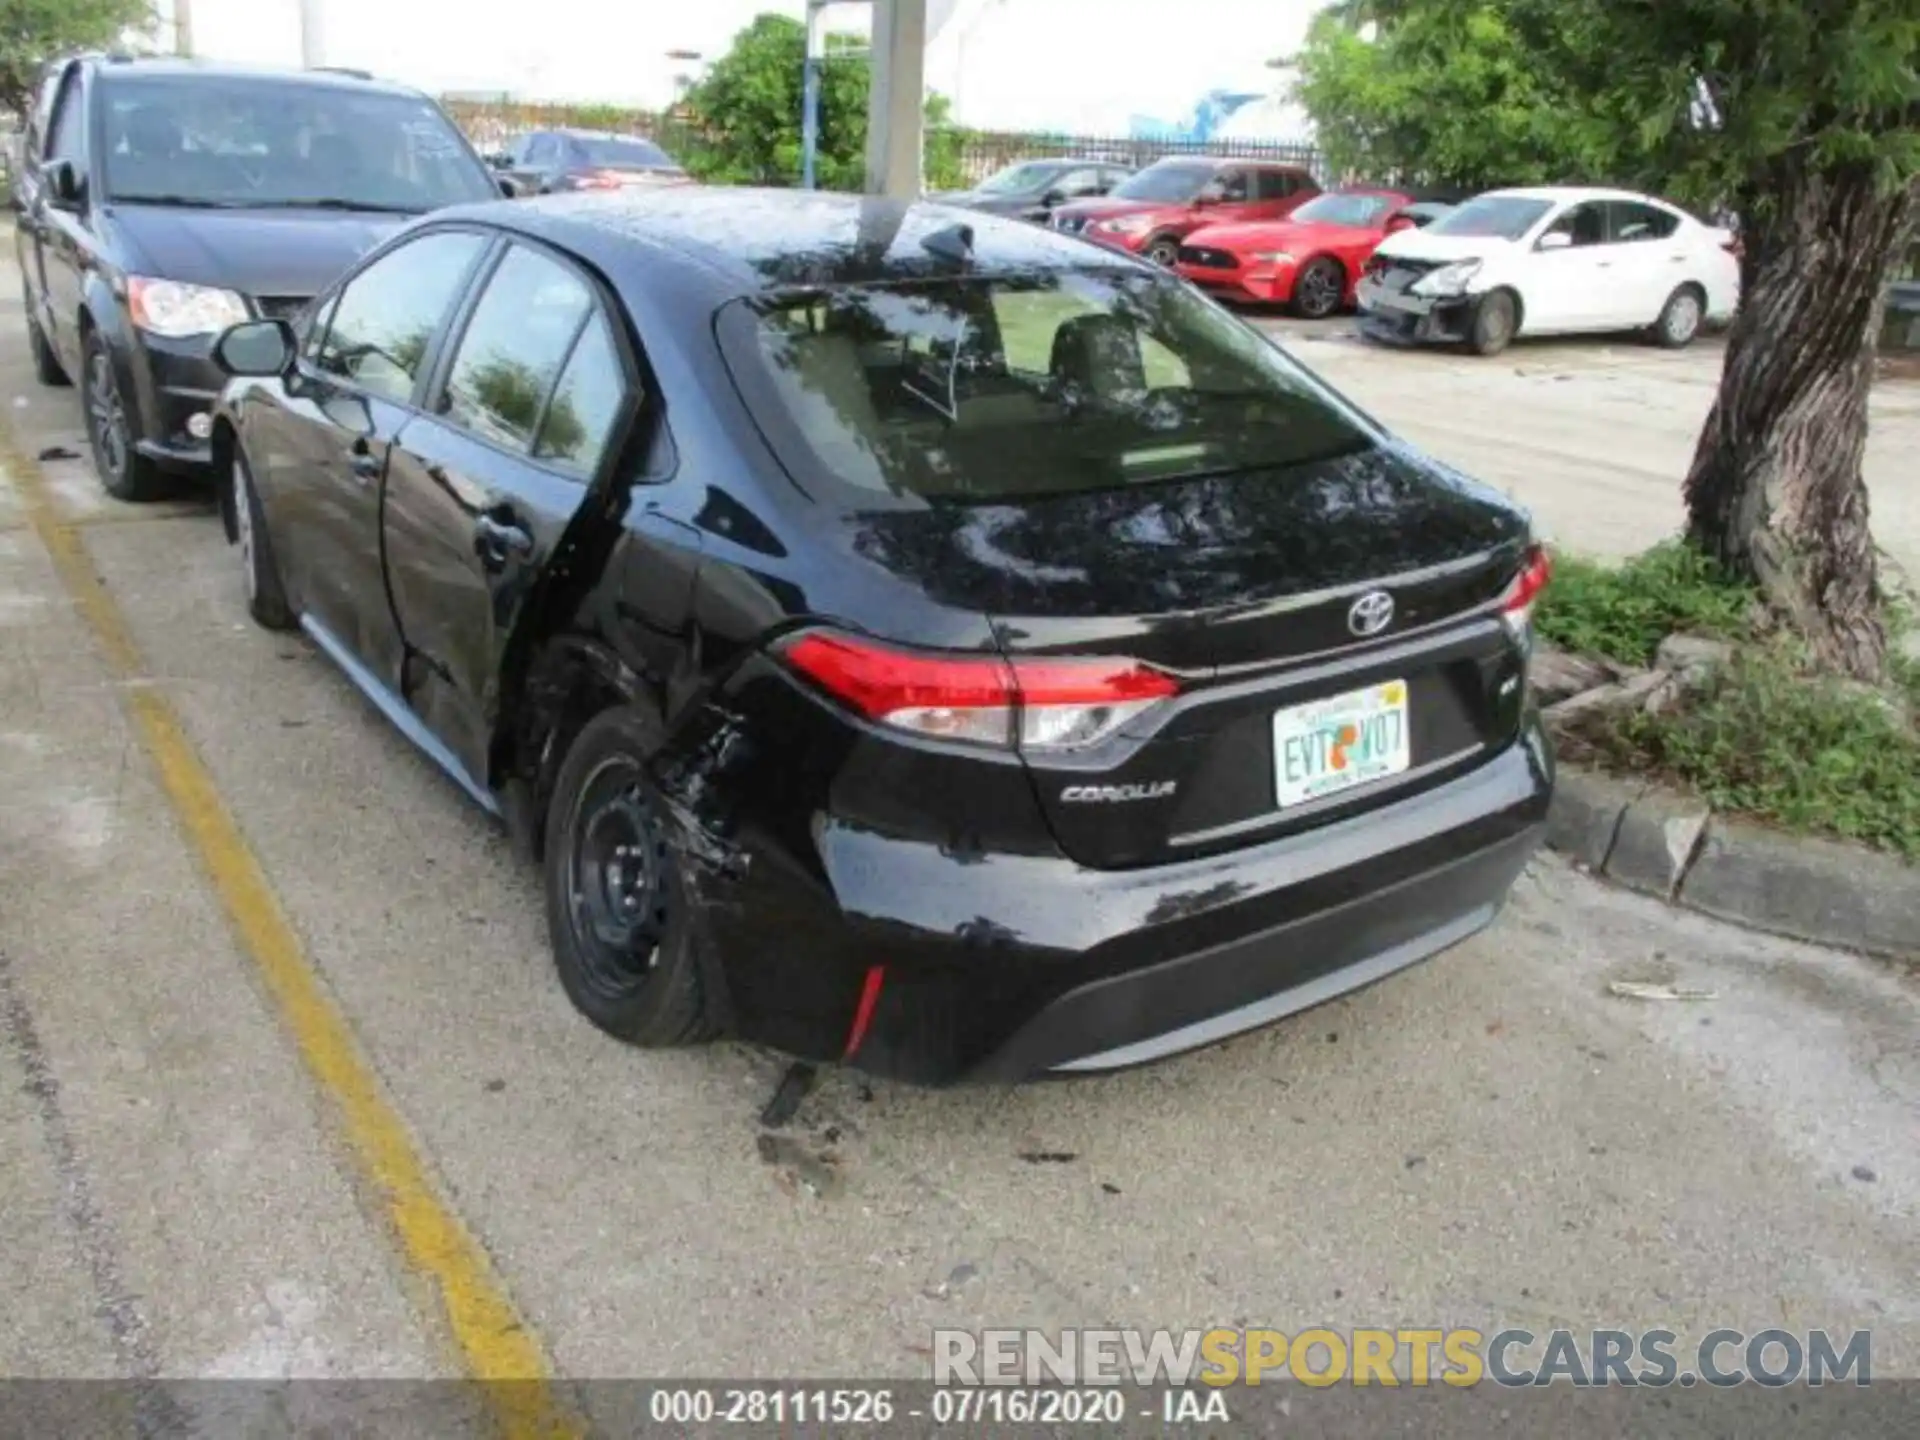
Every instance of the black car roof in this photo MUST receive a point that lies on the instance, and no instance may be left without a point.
(190, 69)
(736, 241)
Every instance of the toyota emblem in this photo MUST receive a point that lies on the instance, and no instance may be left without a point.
(1371, 613)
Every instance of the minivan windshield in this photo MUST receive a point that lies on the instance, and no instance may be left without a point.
(979, 389)
(1503, 217)
(1172, 181)
(228, 141)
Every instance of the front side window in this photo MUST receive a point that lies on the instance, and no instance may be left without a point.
(387, 315)
(1016, 179)
(1230, 186)
(67, 138)
(239, 141)
(973, 390)
(516, 343)
(1275, 184)
(1583, 224)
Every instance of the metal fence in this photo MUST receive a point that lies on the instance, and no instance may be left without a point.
(984, 151)
(493, 121)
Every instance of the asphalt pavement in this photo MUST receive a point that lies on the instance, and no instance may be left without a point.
(287, 1086)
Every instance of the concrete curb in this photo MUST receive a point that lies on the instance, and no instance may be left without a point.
(1670, 845)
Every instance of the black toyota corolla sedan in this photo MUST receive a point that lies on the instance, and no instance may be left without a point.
(903, 636)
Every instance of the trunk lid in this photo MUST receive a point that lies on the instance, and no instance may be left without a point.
(1242, 586)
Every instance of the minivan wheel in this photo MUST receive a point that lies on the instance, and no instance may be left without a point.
(47, 368)
(1164, 251)
(1319, 289)
(622, 931)
(1680, 318)
(266, 600)
(1495, 319)
(123, 470)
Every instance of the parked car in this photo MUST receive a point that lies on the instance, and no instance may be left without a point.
(545, 162)
(1151, 212)
(1551, 261)
(1034, 189)
(160, 201)
(1313, 259)
(951, 649)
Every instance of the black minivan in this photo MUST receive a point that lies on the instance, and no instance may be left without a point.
(160, 201)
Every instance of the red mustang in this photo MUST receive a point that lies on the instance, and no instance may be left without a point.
(1312, 259)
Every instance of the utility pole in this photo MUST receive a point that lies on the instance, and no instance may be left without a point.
(313, 46)
(183, 27)
(896, 105)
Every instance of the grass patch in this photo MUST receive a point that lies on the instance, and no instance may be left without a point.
(1771, 739)
(1623, 612)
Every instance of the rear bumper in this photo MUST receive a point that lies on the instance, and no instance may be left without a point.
(1000, 968)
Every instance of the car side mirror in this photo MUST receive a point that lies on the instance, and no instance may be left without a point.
(258, 349)
(508, 186)
(66, 187)
(1555, 240)
(1053, 198)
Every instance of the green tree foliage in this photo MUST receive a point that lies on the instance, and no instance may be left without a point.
(33, 32)
(750, 103)
(1446, 91)
(1803, 118)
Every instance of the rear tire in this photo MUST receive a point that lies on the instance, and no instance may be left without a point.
(1495, 319)
(266, 600)
(47, 368)
(1319, 289)
(622, 928)
(124, 472)
(1680, 319)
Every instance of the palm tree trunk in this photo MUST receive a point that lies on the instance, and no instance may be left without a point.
(1776, 491)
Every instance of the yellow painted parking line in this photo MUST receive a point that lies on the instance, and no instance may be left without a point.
(495, 1344)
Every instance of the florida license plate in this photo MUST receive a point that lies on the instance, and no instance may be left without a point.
(1330, 745)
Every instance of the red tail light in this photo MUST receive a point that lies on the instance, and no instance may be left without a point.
(602, 180)
(1516, 606)
(1037, 704)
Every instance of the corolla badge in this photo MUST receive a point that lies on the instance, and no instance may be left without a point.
(1114, 794)
(1371, 613)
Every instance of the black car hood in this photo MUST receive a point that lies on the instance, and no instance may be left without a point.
(257, 252)
(1204, 545)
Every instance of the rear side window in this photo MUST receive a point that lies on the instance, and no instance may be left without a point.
(586, 403)
(1631, 221)
(1274, 184)
(387, 315)
(516, 344)
(1001, 388)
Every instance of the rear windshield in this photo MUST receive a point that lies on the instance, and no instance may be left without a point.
(641, 153)
(1176, 181)
(1505, 217)
(994, 389)
(238, 141)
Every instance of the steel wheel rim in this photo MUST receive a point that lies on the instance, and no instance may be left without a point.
(1317, 293)
(617, 882)
(1499, 321)
(243, 526)
(107, 414)
(1683, 318)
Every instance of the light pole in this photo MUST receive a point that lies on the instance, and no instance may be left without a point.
(313, 40)
(183, 27)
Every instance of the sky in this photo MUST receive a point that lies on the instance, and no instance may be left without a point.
(1085, 65)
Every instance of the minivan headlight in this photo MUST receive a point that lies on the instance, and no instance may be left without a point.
(176, 310)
